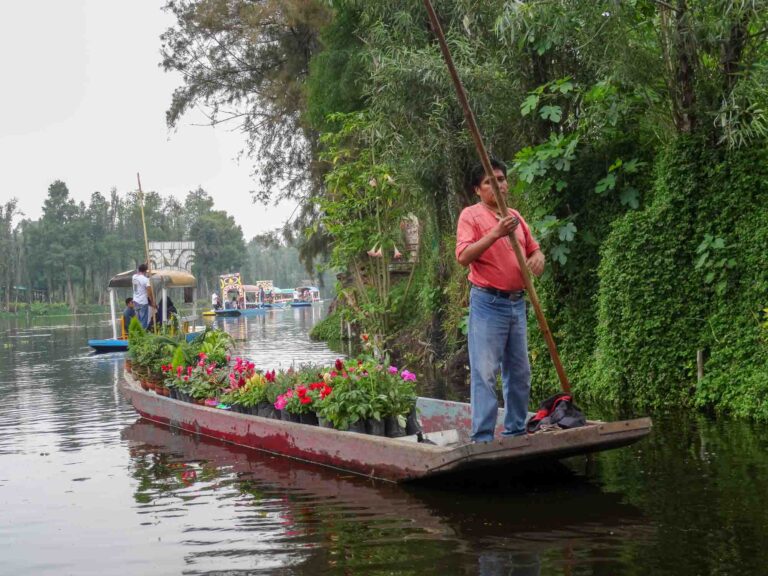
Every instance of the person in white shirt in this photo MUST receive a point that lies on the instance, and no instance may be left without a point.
(142, 295)
(215, 301)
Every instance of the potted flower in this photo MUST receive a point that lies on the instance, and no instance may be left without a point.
(399, 390)
(348, 404)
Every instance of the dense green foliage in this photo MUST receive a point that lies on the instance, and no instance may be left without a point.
(636, 137)
(688, 274)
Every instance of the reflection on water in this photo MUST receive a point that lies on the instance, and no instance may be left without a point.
(274, 512)
(88, 488)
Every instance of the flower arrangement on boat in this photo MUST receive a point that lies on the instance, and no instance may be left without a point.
(362, 394)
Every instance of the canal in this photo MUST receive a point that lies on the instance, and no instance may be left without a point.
(86, 487)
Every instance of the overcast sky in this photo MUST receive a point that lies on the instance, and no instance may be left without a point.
(83, 100)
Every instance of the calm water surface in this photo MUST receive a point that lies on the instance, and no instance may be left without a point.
(86, 487)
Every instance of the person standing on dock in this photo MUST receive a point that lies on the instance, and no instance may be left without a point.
(498, 338)
(142, 295)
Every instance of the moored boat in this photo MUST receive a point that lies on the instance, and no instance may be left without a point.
(445, 424)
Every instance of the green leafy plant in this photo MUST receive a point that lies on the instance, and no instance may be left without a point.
(715, 260)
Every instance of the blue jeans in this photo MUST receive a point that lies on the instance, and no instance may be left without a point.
(498, 340)
(142, 313)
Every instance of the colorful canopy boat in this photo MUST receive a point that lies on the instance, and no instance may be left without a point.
(240, 299)
(305, 296)
(445, 424)
(161, 280)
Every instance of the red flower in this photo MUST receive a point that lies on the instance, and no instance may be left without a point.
(339, 364)
(305, 399)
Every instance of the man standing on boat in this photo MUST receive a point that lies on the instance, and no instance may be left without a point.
(498, 336)
(142, 295)
(215, 301)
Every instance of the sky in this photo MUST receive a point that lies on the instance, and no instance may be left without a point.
(83, 100)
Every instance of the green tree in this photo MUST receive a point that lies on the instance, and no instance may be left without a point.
(219, 247)
(8, 242)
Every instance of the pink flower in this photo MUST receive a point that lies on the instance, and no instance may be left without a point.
(202, 355)
(409, 376)
(375, 252)
(179, 370)
(281, 401)
(393, 370)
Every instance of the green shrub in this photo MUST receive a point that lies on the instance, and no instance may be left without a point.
(667, 289)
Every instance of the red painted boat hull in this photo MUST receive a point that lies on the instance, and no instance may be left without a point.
(393, 459)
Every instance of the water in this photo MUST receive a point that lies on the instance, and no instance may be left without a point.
(88, 488)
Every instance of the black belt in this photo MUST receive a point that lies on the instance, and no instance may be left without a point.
(514, 296)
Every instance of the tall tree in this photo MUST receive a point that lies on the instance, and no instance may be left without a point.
(8, 248)
(219, 246)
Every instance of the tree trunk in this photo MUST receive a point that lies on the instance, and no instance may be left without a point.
(70, 296)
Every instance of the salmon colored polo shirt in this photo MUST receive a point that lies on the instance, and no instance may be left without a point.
(497, 267)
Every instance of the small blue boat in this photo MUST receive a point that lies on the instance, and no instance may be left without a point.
(117, 345)
(108, 345)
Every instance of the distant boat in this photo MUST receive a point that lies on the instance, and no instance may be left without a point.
(305, 296)
(108, 345)
(162, 279)
(227, 312)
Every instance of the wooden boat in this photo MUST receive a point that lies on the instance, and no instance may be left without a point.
(162, 280)
(227, 312)
(446, 424)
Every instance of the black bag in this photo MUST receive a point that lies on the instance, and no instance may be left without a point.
(558, 410)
